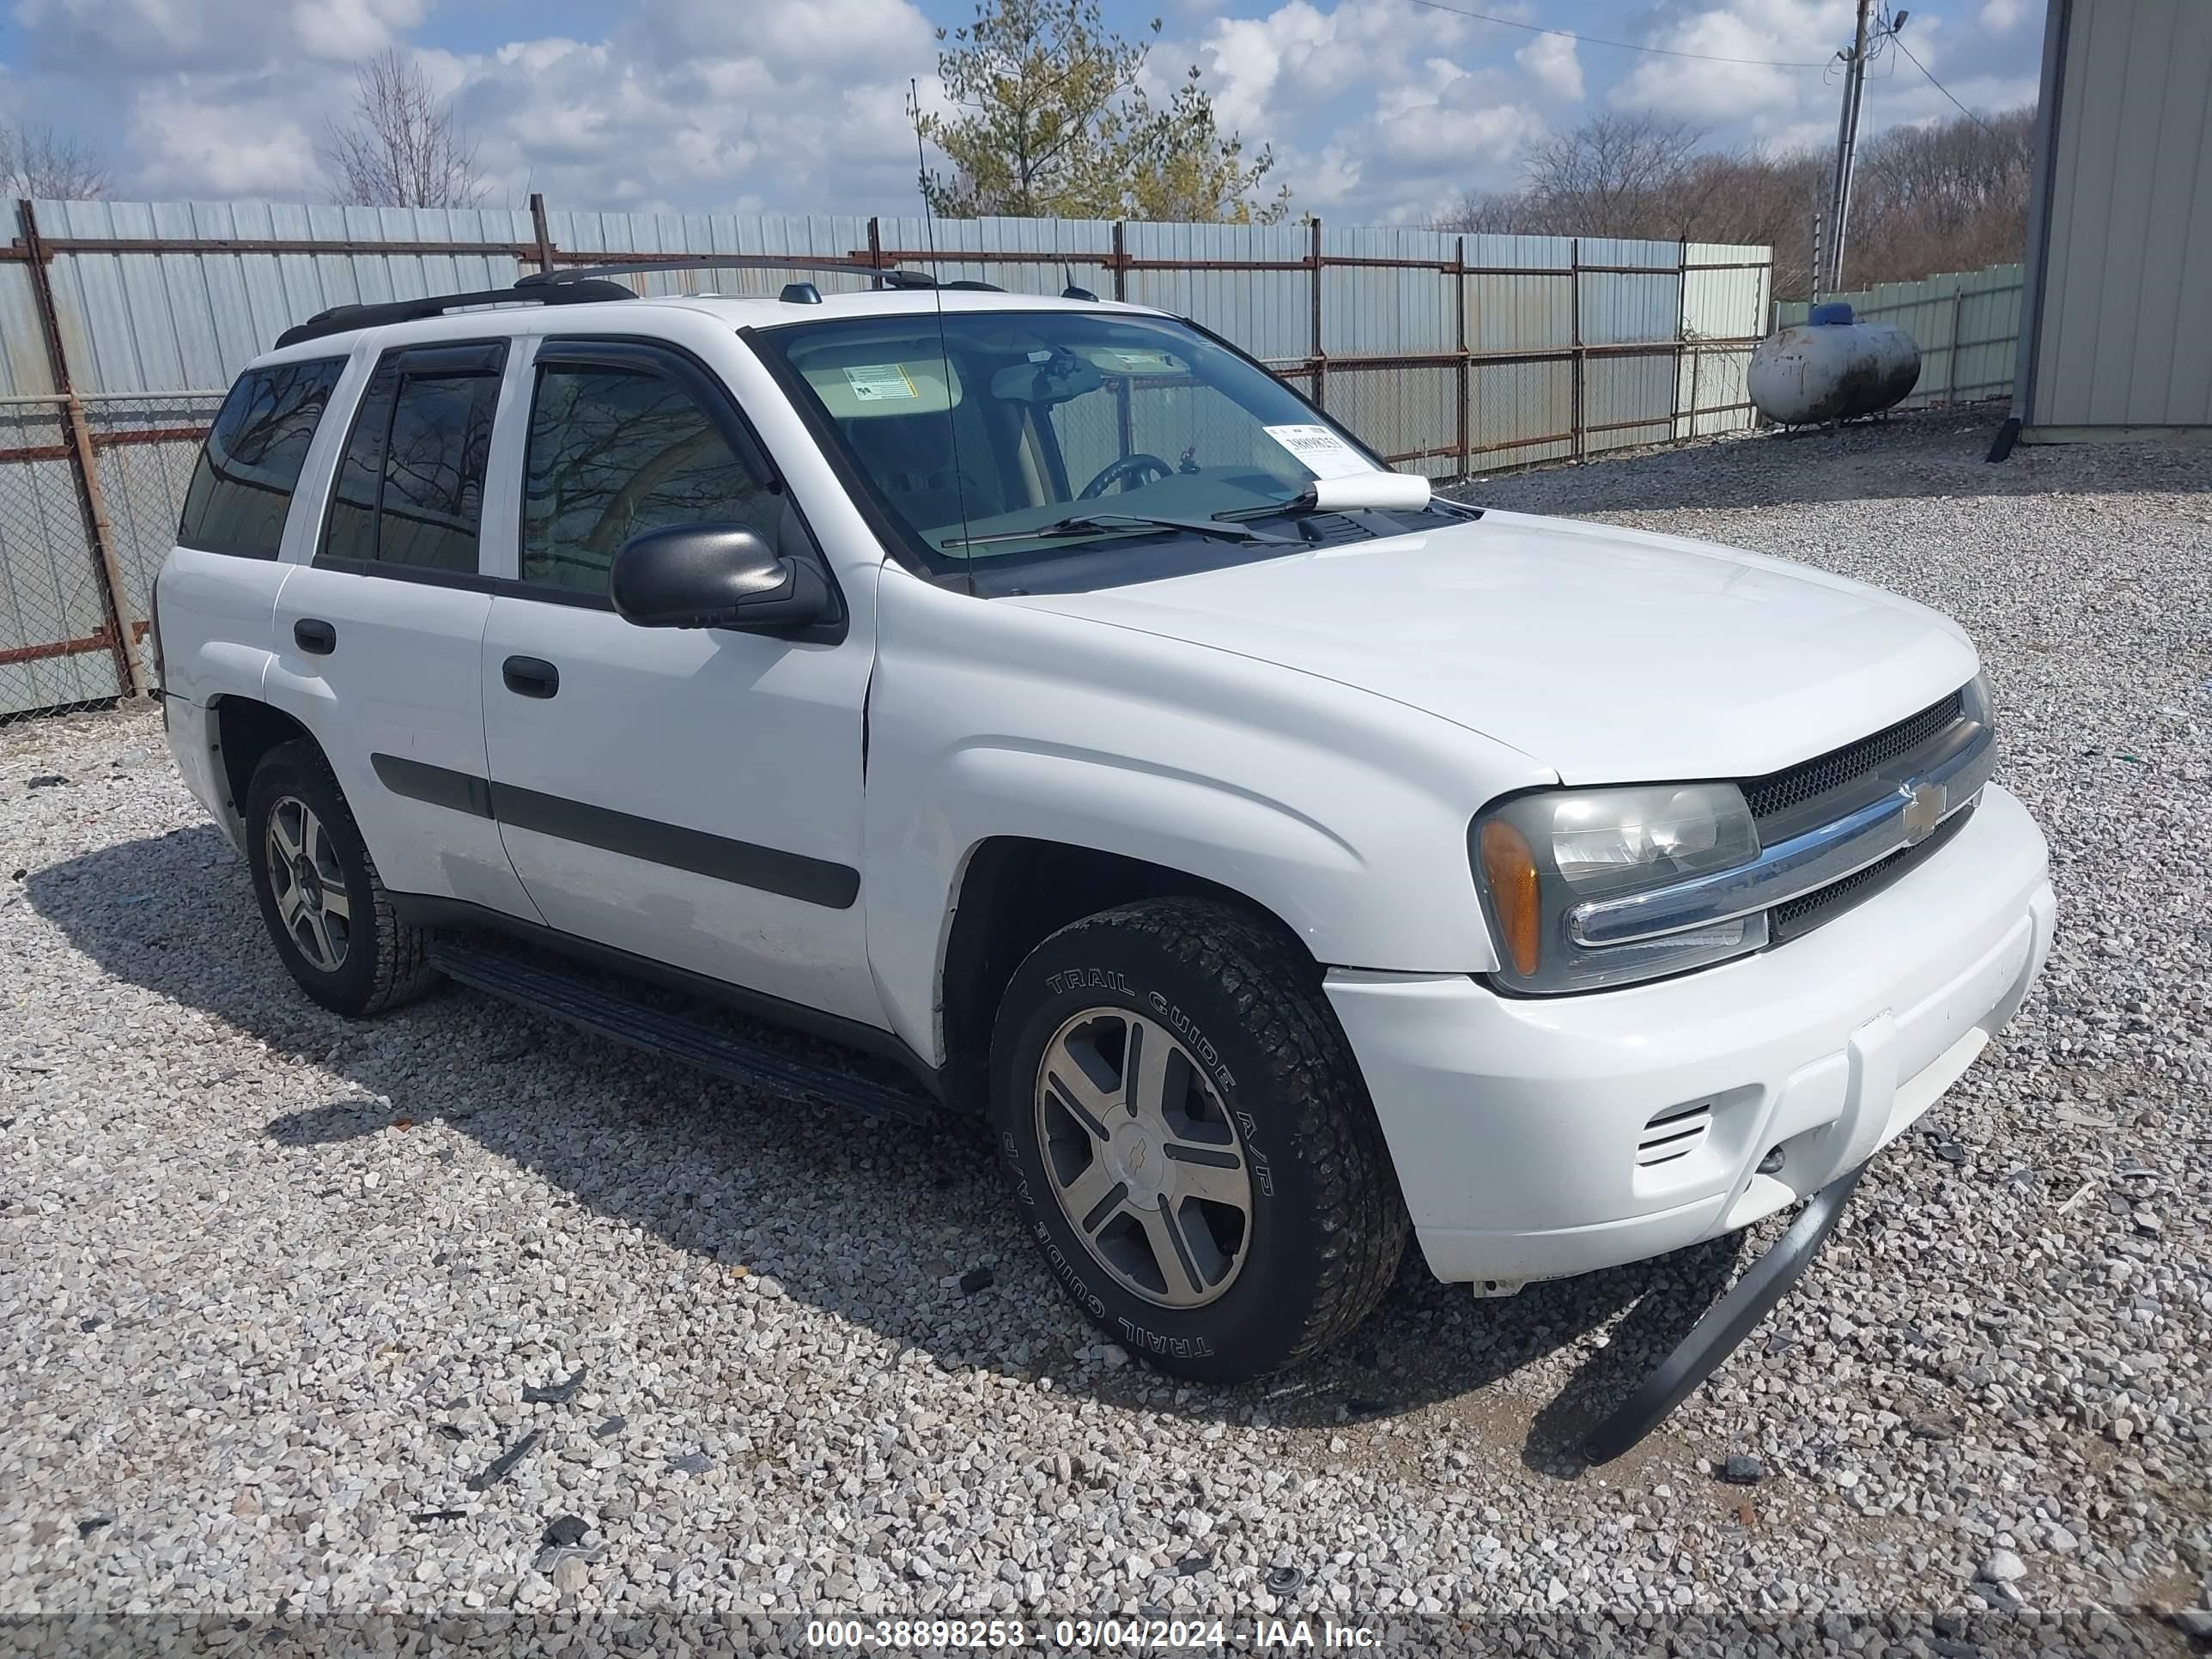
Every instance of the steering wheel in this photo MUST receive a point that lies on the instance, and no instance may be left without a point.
(1125, 472)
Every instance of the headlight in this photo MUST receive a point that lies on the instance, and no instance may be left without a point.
(1974, 700)
(1539, 855)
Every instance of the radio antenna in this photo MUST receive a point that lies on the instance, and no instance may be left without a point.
(943, 351)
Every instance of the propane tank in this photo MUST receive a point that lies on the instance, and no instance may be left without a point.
(1830, 368)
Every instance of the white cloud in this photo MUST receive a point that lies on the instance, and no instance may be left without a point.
(715, 105)
(1775, 108)
(1377, 113)
(1369, 116)
(1550, 58)
(1269, 75)
(169, 35)
(1712, 94)
(223, 146)
(627, 124)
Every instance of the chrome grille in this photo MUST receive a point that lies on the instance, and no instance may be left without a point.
(1779, 793)
(1802, 915)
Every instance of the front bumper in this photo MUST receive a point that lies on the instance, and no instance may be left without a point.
(1519, 1126)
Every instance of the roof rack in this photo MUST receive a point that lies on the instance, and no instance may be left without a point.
(882, 276)
(590, 284)
(344, 319)
(557, 278)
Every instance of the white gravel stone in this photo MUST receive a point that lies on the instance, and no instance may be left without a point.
(272, 1283)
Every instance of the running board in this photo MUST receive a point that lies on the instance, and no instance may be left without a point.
(636, 1024)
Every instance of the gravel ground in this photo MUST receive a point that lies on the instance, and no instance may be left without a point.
(281, 1295)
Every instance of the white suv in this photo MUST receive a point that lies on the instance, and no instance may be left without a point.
(1040, 696)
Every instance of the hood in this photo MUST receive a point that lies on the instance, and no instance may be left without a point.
(1610, 655)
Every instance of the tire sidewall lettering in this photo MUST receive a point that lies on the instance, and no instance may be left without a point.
(1145, 1331)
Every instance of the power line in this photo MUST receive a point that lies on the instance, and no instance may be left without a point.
(1623, 46)
(1940, 87)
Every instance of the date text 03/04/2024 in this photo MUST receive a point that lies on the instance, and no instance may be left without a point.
(1084, 1635)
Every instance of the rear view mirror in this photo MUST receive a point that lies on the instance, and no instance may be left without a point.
(715, 575)
(1047, 379)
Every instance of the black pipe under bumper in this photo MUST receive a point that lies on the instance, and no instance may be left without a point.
(1716, 1336)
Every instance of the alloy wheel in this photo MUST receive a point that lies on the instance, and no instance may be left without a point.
(1143, 1157)
(309, 885)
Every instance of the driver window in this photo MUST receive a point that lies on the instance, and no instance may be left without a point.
(615, 452)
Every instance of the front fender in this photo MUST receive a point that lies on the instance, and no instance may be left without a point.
(1341, 812)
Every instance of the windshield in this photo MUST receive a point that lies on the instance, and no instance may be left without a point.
(995, 448)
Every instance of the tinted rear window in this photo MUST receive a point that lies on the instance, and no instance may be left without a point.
(410, 488)
(250, 462)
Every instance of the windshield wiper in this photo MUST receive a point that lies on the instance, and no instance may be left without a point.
(1086, 524)
(1363, 497)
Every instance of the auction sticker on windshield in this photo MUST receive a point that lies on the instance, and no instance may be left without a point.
(873, 383)
(1318, 450)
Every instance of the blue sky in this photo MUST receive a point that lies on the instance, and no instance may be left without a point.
(1379, 111)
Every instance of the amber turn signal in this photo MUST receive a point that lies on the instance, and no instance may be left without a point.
(1511, 869)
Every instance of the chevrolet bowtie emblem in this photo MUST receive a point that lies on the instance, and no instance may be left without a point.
(1925, 804)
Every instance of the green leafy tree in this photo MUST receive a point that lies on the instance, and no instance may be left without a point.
(1190, 174)
(1048, 119)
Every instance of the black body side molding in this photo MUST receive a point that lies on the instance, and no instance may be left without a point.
(742, 863)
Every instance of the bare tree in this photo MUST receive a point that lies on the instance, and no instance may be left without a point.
(402, 146)
(1948, 197)
(1945, 197)
(1614, 175)
(34, 161)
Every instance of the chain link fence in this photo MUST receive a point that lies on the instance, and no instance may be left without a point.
(146, 448)
(65, 625)
(57, 642)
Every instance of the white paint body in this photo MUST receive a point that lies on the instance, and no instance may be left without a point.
(1315, 732)
(1818, 372)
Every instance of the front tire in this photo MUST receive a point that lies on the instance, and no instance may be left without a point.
(1190, 1139)
(326, 908)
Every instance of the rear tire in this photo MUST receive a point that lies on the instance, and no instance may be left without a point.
(326, 908)
(1190, 1139)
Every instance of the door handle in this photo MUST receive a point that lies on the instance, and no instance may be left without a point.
(315, 637)
(529, 677)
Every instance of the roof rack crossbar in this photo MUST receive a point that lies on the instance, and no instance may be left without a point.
(884, 276)
(344, 319)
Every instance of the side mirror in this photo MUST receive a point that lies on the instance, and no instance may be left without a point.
(715, 575)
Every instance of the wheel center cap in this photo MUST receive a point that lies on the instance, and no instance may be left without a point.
(1137, 1161)
(311, 885)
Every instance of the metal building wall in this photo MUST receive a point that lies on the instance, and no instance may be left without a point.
(2120, 233)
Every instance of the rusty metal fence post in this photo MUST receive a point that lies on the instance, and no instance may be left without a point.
(540, 231)
(1320, 354)
(1575, 328)
(83, 463)
(1951, 377)
(1465, 378)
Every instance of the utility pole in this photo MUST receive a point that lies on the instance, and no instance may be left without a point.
(1847, 135)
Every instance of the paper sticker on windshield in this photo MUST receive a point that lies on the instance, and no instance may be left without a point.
(1141, 362)
(876, 383)
(1320, 451)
